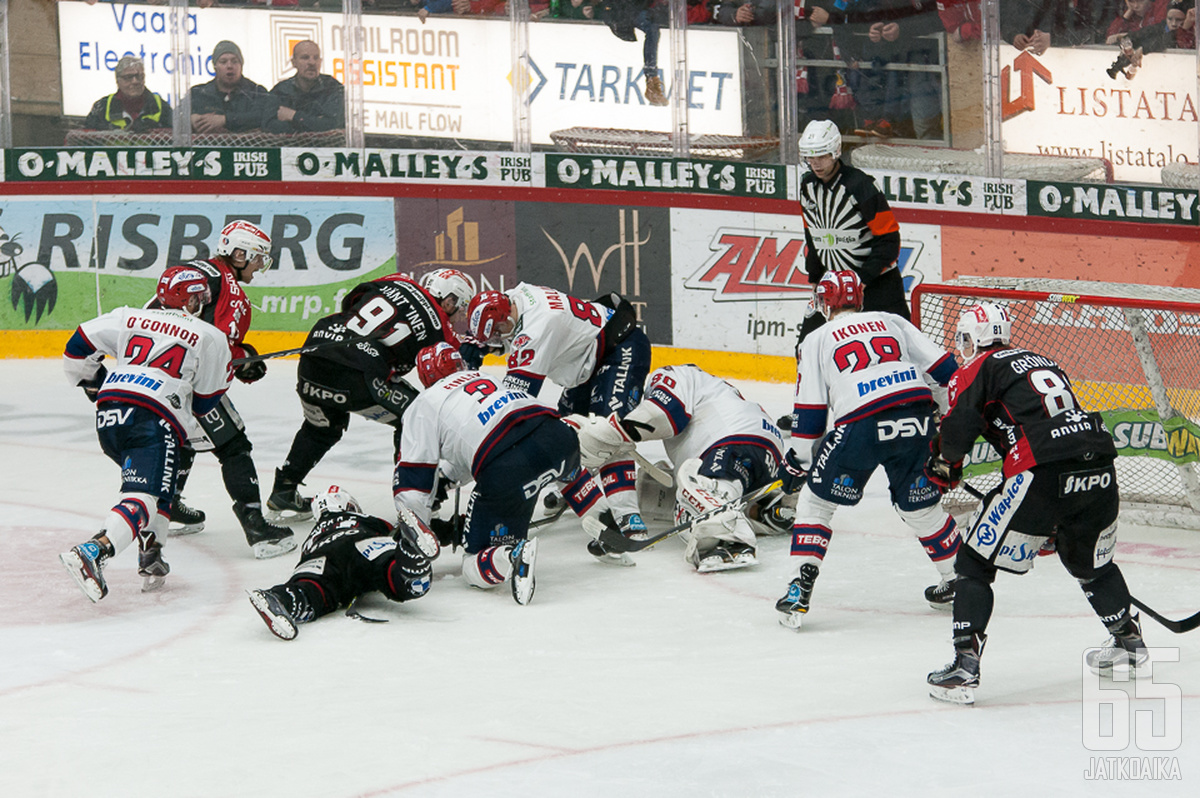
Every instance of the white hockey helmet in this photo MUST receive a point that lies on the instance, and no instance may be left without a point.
(246, 236)
(820, 137)
(981, 325)
(441, 283)
(335, 500)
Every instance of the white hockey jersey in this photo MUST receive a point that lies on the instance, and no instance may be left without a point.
(167, 361)
(861, 363)
(458, 421)
(702, 411)
(556, 337)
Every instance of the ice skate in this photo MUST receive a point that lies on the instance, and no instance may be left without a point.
(956, 683)
(266, 539)
(85, 564)
(594, 526)
(941, 595)
(286, 505)
(152, 567)
(524, 556)
(633, 527)
(725, 555)
(794, 605)
(273, 613)
(1124, 653)
(184, 520)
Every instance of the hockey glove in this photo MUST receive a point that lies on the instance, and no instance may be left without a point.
(793, 475)
(92, 387)
(449, 531)
(600, 439)
(472, 354)
(939, 470)
(251, 372)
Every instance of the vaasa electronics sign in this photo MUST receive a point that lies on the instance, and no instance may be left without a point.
(150, 163)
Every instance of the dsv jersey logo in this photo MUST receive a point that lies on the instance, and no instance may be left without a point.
(748, 264)
(901, 428)
(112, 418)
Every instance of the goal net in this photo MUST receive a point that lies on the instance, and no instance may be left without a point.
(1132, 353)
(940, 160)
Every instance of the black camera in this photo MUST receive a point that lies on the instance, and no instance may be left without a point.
(1119, 66)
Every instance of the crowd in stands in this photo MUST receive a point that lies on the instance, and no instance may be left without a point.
(867, 95)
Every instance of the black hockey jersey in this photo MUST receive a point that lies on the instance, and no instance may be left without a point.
(1023, 405)
(848, 224)
(395, 313)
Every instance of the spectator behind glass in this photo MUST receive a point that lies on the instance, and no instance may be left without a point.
(872, 34)
(962, 19)
(1135, 17)
(1026, 24)
(745, 12)
(131, 108)
(231, 102)
(623, 17)
(310, 101)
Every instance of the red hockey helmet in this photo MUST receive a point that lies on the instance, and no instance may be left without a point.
(485, 313)
(179, 284)
(437, 362)
(837, 290)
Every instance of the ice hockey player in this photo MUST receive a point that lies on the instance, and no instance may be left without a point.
(347, 554)
(864, 370)
(242, 250)
(1058, 481)
(383, 323)
(598, 354)
(483, 430)
(170, 368)
(725, 446)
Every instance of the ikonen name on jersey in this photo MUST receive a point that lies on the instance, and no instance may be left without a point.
(895, 378)
(164, 327)
(854, 329)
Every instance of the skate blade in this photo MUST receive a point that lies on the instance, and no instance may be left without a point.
(286, 516)
(279, 626)
(74, 565)
(265, 550)
(153, 583)
(1123, 672)
(963, 696)
(720, 565)
(944, 606)
(616, 559)
(791, 620)
(178, 530)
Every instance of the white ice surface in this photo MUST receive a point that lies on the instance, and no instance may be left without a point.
(646, 681)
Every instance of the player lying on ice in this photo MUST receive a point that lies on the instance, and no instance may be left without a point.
(171, 368)
(724, 446)
(865, 370)
(347, 554)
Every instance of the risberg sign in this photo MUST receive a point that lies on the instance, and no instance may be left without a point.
(150, 163)
(661, 174)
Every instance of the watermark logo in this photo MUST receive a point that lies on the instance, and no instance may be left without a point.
(1120, 711)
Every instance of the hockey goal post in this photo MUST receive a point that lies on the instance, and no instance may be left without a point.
(1132, 353)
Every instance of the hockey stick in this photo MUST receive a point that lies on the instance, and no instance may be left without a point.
(614, 541)
(351, 612)
(656, 473)
(300, 350)
(556, 511)
(1178, 627)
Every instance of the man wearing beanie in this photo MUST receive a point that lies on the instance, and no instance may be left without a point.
(231, 102)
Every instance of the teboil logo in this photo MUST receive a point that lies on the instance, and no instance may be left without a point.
(750, 264)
